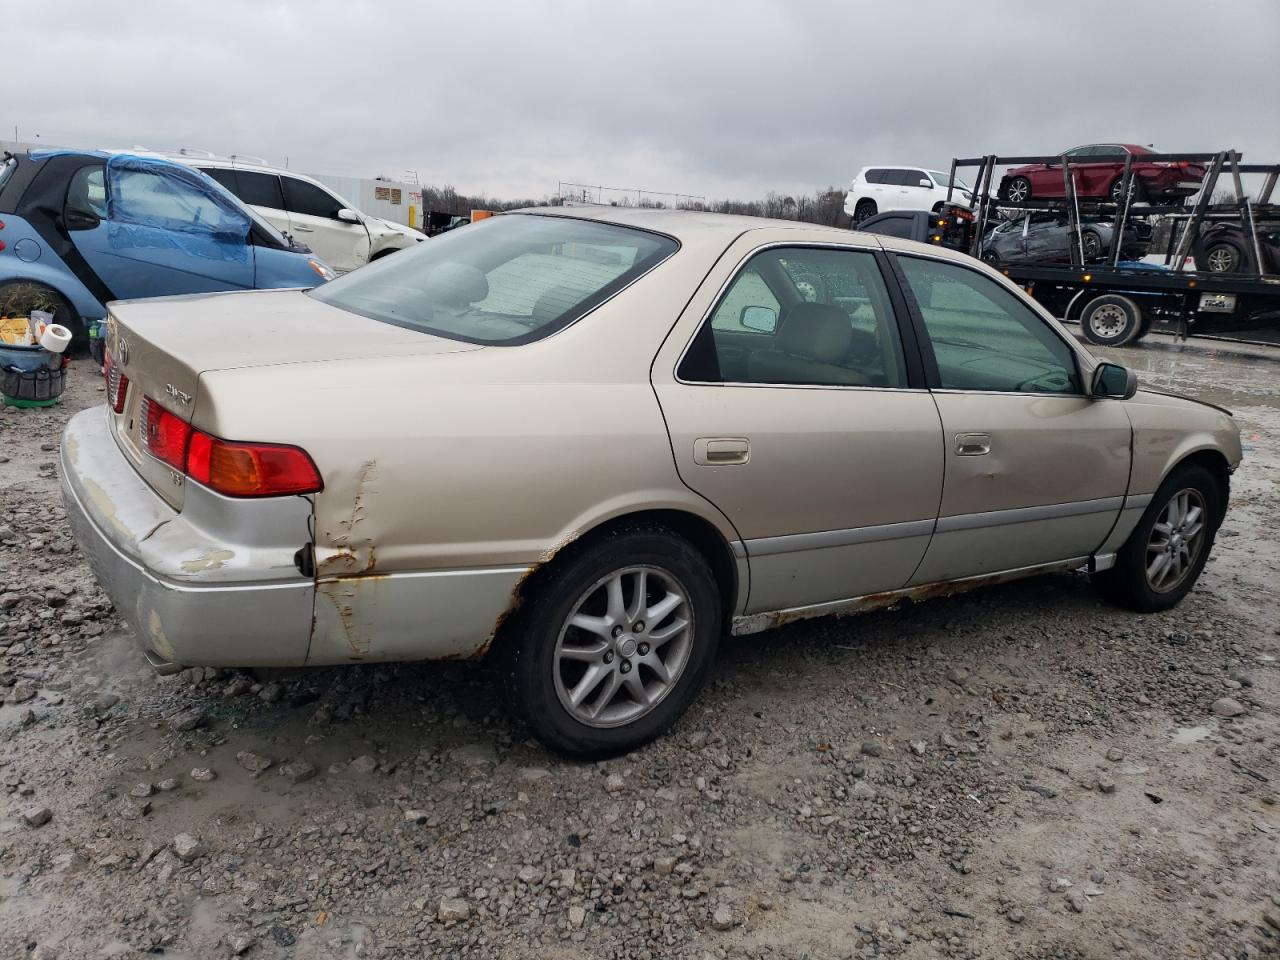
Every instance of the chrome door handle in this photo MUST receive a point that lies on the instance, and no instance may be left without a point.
(721, 451)
(302, 229)
(973, 444)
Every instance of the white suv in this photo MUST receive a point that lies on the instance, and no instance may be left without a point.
(877, 189)
(307, 210)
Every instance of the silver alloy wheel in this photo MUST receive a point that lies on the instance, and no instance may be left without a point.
(1108, 321)
(623, 646)
(1092, 244)
(1222, 259)
(1176, 540)
(1019, 190)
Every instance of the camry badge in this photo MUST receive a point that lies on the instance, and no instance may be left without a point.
(180, 395)
(123, 350)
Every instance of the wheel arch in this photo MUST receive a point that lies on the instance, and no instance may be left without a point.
(1215, 462)
(727, 566)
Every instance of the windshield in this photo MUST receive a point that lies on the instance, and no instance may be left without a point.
(505, 280)
(944, 180)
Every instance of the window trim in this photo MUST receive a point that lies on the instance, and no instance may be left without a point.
(917, 381)
(932, 375)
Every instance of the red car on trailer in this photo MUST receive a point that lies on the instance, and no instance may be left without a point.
(1098, 169)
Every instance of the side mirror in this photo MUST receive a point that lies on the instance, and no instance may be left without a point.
(925, 183)
(347, 215)
(1112, 381)
(80, 219)
(760, 319)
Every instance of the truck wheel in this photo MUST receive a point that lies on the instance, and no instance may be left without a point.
(864, 210)
(613, 643)
(1162, 559)
(1017, 190)
(1110, 320)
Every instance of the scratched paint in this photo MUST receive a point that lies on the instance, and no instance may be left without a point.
(210, 561)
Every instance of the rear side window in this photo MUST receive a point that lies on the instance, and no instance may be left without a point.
(813, 317)
(877, 176)
(985, 338)
(87, 191)
(505, 280)
(260, 189)
(308, 199)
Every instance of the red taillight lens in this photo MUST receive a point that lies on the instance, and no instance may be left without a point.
(164, 434)
(117, 384)
(251, 469)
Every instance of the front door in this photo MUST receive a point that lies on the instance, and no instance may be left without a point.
(797, 411)
(1036, 471)
(151, 229)
(313, 213)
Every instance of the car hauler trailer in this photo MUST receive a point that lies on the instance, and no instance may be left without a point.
(1116, 302)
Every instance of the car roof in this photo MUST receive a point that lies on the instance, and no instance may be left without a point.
(680, 224)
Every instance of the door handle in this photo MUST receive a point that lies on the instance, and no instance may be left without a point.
(302, 229)
(721, 451)
(973, 444)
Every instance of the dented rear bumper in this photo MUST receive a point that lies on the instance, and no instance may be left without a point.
(214, 585)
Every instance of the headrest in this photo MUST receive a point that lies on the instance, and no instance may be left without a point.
(457, 284)
(816, 330)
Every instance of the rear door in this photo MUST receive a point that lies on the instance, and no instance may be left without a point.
(313, 212)
(166, 230)
(797, 411)
(1036, 471)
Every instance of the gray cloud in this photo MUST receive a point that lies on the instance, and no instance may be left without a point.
(714, 98)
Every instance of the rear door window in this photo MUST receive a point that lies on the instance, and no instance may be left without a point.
(308, 199)
(260, 189)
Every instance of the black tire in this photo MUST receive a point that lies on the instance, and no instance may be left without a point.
(1017, 190)
(990, 258)
(864, 210)
(1091, 245)
(17, 297)
(1223, 257)
(1127, 584)
(1137, 192)
(525, 652)
(1110, 320)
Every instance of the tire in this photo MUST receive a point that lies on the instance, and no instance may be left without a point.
(1017, 190)
(540, 683)
(1110, 320)
(1137, 193)
(1091, 245)
(1130, 583)
(17, 297)
(1223, 258)
(864, 210)
(990, 258)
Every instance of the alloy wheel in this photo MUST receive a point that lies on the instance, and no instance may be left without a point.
(1222, 259)
(1019, 190)
(1092, 245)
(1176, 540)
(623, 646)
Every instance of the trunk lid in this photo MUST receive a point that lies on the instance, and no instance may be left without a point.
(163, 345)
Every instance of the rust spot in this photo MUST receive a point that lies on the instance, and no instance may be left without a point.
(759, 622)
(350, 554)
(517, 596)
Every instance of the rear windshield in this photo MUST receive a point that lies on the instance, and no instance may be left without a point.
(505, 280)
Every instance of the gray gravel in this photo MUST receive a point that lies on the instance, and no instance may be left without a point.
(1021, 772)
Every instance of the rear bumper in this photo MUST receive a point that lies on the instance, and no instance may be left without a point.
(192, 597)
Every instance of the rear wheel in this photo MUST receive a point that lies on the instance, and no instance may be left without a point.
(1163, 557)
(864, 210)
(1136, 192)
(1223, 258)
(19, 297)
(1110, 320)
(1018, 190)
(614, 643)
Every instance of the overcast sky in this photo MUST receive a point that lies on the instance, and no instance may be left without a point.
(724, 99)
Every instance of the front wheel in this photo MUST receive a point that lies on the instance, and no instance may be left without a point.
(1163, 557)
(1091, 245)
(614, 643)
(1223, 258)
(1110, 320)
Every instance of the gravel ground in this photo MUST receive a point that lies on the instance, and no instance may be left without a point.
(1020, 772)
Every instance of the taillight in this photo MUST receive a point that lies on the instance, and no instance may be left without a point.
(225, 466)
(117, 384)
(164, 434)
(251, 469)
